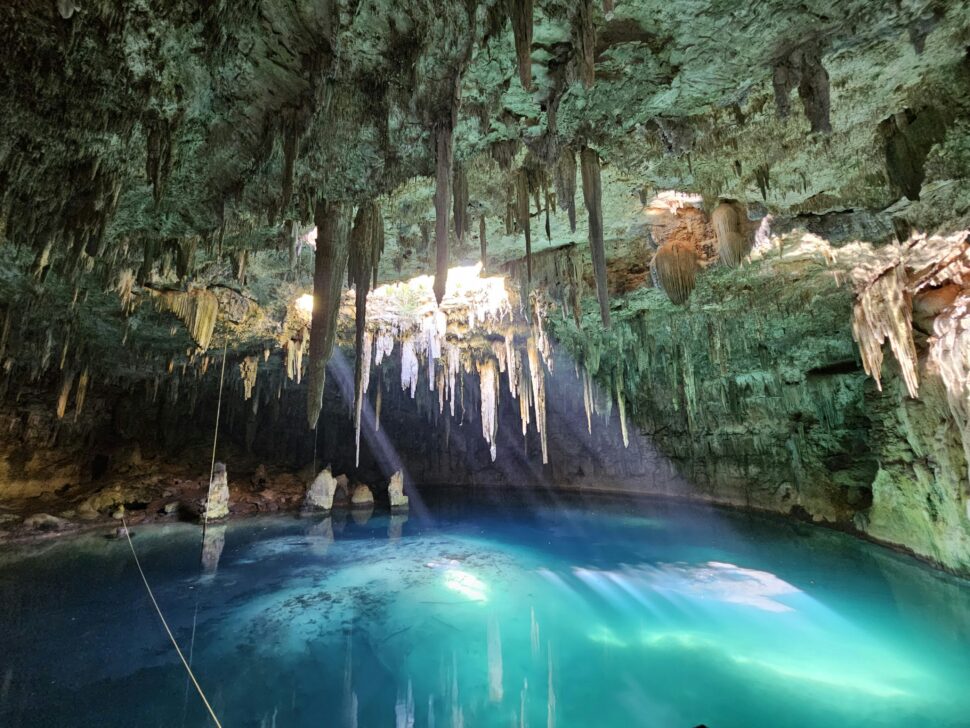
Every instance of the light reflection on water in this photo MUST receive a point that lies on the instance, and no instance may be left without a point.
(544, 616)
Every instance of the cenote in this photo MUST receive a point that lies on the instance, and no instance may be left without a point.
(561, 612)
(468, 363)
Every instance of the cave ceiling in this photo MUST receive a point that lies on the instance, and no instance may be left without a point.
(149, 146)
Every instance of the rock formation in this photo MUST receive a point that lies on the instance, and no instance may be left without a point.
(216, 504)
(395, 492)
(321, 491)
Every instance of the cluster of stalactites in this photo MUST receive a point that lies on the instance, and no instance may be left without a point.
(248, 369)
(937, 271)
(197, 309)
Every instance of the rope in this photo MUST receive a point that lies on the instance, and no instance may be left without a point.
(167, 630)
(215, 438)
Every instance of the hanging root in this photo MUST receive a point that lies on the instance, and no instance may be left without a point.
(366, 247)
(585, 41)
(483, 243)
(566, 185)
(675, 265)
(522, 216)
(593, 196)
(731, 242)
(443, 148)
(330, 263)
(460, 203)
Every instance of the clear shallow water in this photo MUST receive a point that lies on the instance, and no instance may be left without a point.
(595, 614)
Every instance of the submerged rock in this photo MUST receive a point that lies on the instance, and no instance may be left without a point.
(321, 491)
(395, 492)
(217, 503)
(46, 522)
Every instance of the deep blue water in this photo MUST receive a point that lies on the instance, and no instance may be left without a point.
(569, 613)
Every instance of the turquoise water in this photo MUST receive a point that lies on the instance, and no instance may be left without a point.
(540, 614)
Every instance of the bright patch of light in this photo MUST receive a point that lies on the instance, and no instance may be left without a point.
(304, 303)
(468, 585)
(603, 635)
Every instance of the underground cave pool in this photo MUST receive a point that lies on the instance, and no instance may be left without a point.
(492, 611)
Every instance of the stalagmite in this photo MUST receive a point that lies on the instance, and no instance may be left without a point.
(217, 501)
(489, 382)
(443, 162)
(593, 196)
(522, 217)
(395, 492)
(460, 203)
(248, 369)
(330, 264)
(730, 238)
(321, 491)
(675, 265)
(521, 11)
(366, 246)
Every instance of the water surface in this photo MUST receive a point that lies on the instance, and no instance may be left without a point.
(485, 613)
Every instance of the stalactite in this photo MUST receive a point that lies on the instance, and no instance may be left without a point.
(585, 42)
(295, 348)
(366, 246)
(443, 162)
(621, 405)
(248, 369)
(588, 399)
(330, 264)
(726, 221)
(537, 375)
(489, 385)
(548, 207)
(482, 242)
(522, 216)
(883, 310)
(521, 11)
(67, 382)
(593, 196)
(675, 266)
(409, 367)
(361, 389)
(81, 394)
(460, 202)
(197, 309)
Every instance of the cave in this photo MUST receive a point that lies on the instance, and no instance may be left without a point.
(495, 362)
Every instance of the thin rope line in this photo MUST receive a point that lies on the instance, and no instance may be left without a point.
(165, 625)
(215, 439)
